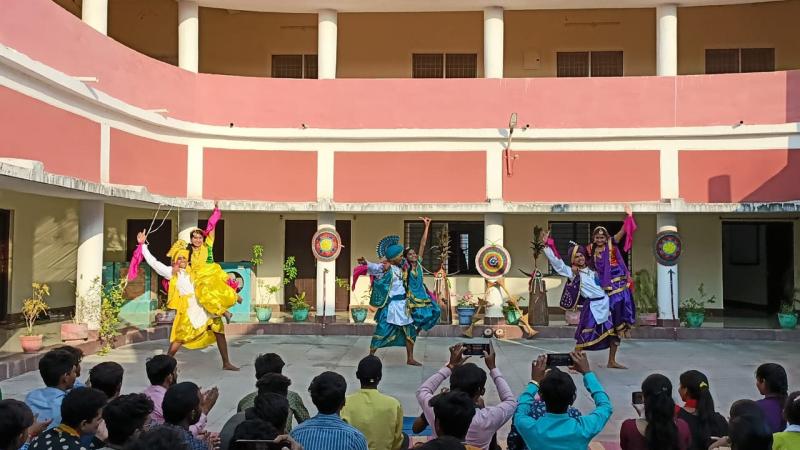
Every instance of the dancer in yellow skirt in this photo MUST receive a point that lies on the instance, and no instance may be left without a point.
(193, 328)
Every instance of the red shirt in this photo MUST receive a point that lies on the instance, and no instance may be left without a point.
(631, 439)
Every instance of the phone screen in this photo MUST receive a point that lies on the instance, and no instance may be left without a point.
(475, 349)
(637, 398)
(559, 359)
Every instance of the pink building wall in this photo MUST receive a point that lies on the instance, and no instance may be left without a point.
(158, 166)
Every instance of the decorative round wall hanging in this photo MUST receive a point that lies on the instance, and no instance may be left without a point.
(326, 244)
(493, 261)
(667, 248)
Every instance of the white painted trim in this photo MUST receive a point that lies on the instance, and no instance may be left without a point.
(194, 170)
(325, 174)
(105, 153)
(669, 173)
(494, 172)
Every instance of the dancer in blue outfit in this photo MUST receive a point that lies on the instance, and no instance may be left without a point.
(425, 309)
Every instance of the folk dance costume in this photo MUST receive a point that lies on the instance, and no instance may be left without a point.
(394, 325)
(425, 311)
(212, 285)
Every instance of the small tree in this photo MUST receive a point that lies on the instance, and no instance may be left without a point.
(645, 288)
(35, 306)
(112, 301)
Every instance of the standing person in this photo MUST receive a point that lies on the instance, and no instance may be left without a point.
(773, 384)
(58, 370)
(80, 416)
(425, 311)
(192, 328)
(789, 439)
(394, 326)
(125, 417)
(273, 363)
(698, 410)
(659, 429)
(595, 330)
(378, 416)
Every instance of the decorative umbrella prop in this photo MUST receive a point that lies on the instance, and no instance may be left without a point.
(326, 244)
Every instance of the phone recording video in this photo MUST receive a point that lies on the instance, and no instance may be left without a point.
(472, 349)
(637, 398)
(559, 359)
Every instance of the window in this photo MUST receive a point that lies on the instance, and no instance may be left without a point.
(589, 64)
(294, 66)
(466, 238)
(450, 65)
(580, 232)
(740, 60)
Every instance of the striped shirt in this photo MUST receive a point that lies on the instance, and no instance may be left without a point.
(328, 432)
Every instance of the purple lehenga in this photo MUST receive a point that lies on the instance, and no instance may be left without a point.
(615, 279)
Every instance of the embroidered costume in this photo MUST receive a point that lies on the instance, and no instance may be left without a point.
(212, 285)
(425, 311)
(394, 325)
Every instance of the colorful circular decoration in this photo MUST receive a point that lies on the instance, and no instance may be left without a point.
(326, 244)
(667, 248)
(493, 261)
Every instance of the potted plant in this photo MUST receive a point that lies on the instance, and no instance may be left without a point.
(645, 298)
(694, 310)
(787, 316)
(257, 252)
(512, 313)
(466, 309)
(358, 311)
(112, 300)
(299, 307)
(266, 292)
(77, 330)
(32, 308)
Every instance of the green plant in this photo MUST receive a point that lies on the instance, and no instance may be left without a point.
(343, 283)
(270, 290)
(113, 298)
(645, 288)
(692, 305)
(537, 245)
(289, 270)
(789, 306)
(35, 305)
(508, 307)
(466, 301)
(257, 255)
(298, 302)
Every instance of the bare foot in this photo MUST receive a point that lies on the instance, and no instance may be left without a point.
(615, 365)
(413, 362)
(230, 367)
(531, 335)
(227, 315)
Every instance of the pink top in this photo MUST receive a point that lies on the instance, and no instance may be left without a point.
(631, 439)
(156, 394)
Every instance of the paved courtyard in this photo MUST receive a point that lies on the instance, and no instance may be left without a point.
(730, 366)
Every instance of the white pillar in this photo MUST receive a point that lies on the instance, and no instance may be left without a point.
(667, 290)
(188, 35)
(326, 275)
(90, 261)
(493, 42)
(667, 40)
(327, 26)
(95, 14)
(194, 170)
(493, 235)
(187, 221)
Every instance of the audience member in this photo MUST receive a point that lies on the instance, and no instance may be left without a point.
(327, 430)
(659, 429)
(159, 438)
(272, 363)
(556, 430)
(454, 413)
(182, 409)
(16, 419)
(471, 379)
(257, 430)
(748, 428)
(125, 417)
(773, 384)
(81, 411)
(269, 407)
(698, 410)
(107, 377)
(443, 443)
(789, 439)
(78, 355)
(58, 370)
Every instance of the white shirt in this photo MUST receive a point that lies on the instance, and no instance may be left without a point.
(396, 313)
(197, 315)
(590, 287)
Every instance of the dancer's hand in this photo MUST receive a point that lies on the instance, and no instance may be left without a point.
(490, 358)
(628, 209)
(141, 238)
(457, 357)
(581, 362)
(209, 399)
(546, 236)
(539, 368)
(425, 220)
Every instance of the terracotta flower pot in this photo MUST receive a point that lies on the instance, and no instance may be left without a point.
(31, 344)
(74, 332)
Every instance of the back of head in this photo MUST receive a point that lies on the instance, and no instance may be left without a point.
(370, 371)
(159, 438)
(454, 411)
(107, 376)
(443, 443)
(54, 364)
(254, 430)
(125, 415)
(746, 407)
(557, 390)
(791, 412)
(697, 388)
(15, 418)
(74, 351)
(748, 432)
(82, 405)
(159, 367)
(274, 383)
(775, 379)
(659, 409)
(179, 402)
(268, 363)
(273, 409)
(468, 378)
(327, 392)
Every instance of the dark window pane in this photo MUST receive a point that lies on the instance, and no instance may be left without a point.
(724, 60)
(462, 65)
(287, 66)
(758, 60)
(310, 63)
(572, 64)
(427, 65)
(607, 64)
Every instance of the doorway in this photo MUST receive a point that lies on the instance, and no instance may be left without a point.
(297, 243)
(5, 261)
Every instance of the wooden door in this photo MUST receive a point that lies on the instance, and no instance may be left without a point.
(343, 265)
(297, 243)
(5, 245)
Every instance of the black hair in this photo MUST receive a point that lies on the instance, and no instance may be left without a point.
(268, 363)
(791, 412)
(15, 418)
(748, 432)
(775, 379)
(275, 383)
(82, 404)
(159, 367)
(659, 411)
(55, 364)
(74, 351)
(454, 411)
(327, 392)
(107, 376)
(271, 408)
(370, 371)
(468, 378)
(254, 430)
(696, 385)
(179, 402)
(189, 245)
(557, 390)
(126, 414)
(443, 443)
(159, 438)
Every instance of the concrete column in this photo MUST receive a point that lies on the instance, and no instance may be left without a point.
(187, 221)
(667, 40)
(326, 276)
(493, 42)
(493, 234)
(90, 261)
(188, 35)
(667, 290)
(95, 14)
(327, 26)
(194, 172)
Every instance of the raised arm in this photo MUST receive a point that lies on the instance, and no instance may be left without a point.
(427, 222)
(160, 268)
(558, 264)
(216, 215)
(621, 233)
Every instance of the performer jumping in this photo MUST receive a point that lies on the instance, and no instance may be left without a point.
(193, 327)
(425, 310)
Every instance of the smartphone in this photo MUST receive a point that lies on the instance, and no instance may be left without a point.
(475, 349)
(559, 359)
(637, 398)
